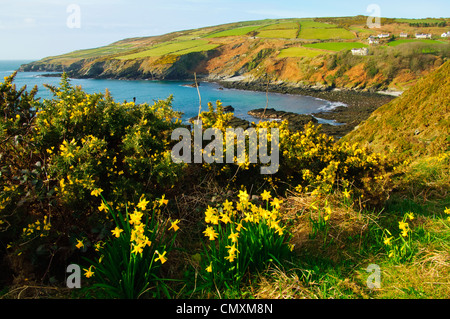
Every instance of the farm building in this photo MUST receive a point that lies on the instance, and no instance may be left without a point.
(360, 51)
(423, 35)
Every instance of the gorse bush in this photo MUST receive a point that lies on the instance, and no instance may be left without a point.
(55, 152)
(309, 161)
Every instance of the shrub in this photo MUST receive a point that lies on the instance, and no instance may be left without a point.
(57, 151)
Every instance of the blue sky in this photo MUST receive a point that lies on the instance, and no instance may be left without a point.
(34, 29)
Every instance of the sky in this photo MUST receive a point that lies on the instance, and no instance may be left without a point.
(34, 29)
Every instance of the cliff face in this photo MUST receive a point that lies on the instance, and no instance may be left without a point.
(258, 51)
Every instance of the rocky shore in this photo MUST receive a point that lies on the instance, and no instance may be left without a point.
(360, 104)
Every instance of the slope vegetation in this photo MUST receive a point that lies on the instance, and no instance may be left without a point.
(302, 52)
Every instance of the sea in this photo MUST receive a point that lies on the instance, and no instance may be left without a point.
(185, 97)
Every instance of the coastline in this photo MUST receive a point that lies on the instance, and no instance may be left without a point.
(359, 104)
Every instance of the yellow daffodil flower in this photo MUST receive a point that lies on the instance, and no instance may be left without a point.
(163, 201)
(96, 192)
(142, 203)
(116, 232)
(266, 195)
(209, 232)
(161, 257)
(174, 225)
(79, 244)
(88, 272)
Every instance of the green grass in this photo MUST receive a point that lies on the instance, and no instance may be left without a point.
(285, 34)
(316, 25)
(426, 20)
(299, 52)
(325, 33)
(175, 48)
(281, 26)
(97, 52)
(234, 32)
(336, 46)
(429, 41)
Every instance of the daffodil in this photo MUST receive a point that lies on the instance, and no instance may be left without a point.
(387, 241)
(174, 225)
(243, 196)
(79, 244)
(142, 203)
(97, 192)
(276, 203)
(209, 232)
(233, 237)
(163, 201)
(224, 218)
(228, 206)
(135, 218)
(161, 257)
(346, 193)
(209, 268)
(402, 225)
(116, 232)
(266, 195)
(88, 272)
(137, 249)
(103, 207)
(230, 257)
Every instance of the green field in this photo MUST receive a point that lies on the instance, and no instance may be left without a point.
(234, 32)
(96, 52)
(426, 20)
(336, 46)
(286, 34)
(281, 26)
(175, 48)
(309, 24)
(402, 41)
(325, 33)
(295, 52)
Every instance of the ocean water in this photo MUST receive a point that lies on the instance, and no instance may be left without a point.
(186, 98)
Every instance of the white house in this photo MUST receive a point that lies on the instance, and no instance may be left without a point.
(403, 35)
(361, 51)
(445, 34)
(423, 35)
(384, 35)
(372, 40)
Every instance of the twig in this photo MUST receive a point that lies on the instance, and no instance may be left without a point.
(199, 96)
(267, 98)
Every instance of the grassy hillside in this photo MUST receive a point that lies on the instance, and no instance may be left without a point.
(415, 124)
(295, 51)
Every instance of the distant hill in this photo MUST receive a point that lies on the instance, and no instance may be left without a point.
(414, 124)
(309, 52)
